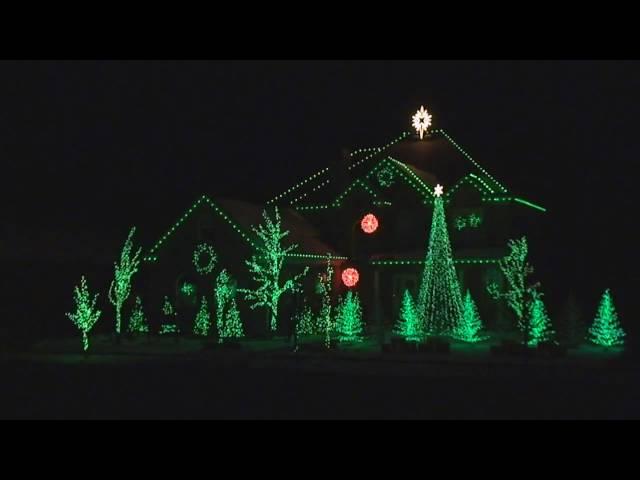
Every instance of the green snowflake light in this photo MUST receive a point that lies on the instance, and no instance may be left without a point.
(86, 314)
(409, 325)
(606, 329)
(188, 288)
(138, 322)
(204, 259)
(349, 318)
(439, 300)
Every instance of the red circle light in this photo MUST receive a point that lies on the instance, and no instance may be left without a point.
(350, 277)
(369, 223)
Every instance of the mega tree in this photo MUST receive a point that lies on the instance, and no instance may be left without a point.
(349, 318)
(138, 322)
(519, 293)
(471, 325)
(539, 322)
(606, 329)
(86, 314)
(439, 300)
(409, 325)
(121, 284)
(266, 267)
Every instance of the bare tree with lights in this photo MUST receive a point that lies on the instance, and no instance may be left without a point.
(266, 267)
(121, 285)
(86, 314)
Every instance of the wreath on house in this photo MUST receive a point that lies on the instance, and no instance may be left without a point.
(204, 258)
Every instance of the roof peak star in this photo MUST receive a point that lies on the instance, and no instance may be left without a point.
(421, 121)
(438, 190)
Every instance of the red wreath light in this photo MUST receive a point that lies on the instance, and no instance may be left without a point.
(369, 223)
(350, 277)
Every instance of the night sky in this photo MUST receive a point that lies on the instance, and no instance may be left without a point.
(100, 146)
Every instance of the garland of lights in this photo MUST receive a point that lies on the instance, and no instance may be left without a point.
(349, 318)
(439, 300)
(138, 322)
(86, 314)
(606, 329)
(202, 322)
(409, 325)
(386, 177)
(121, 284)
(204, 248)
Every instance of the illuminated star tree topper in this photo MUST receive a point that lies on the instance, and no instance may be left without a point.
(421, 121)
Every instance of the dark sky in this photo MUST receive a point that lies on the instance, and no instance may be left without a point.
(104, 145)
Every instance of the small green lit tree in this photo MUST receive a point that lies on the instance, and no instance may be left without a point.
(349, 318)
(227, 315)
(121, 284)
(304, 321)
(471, 325)
(606, 329)
(86, 314)
(539, 322)
(266, 267)
(170, 314)
(202, 322)
(138, 322)
(519, 293)
(232, 323)
(409, 325)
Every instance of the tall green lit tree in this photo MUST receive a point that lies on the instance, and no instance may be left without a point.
(227, 314)
(266, 267)
(202, 322)
(349, 318)
(325, 323)
(121, 284)
(519, 293)
(471, 325)
(606, 329)
(439, 300)
(541, 329)
(138, 322)
(86, 314)
(409, 325)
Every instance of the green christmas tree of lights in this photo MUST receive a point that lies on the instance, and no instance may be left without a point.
(227, 315)
(121, 284)
(606, 329)
(409, 325)
(138, 322)
(304, 321)
(539, 323)
(86, 314)
(439, 300)
(349, 318)
(202, 322)
(471, 325)
(266, 267)
(519, 294)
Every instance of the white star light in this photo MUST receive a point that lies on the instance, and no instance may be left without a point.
(421, 121)
(438, 190)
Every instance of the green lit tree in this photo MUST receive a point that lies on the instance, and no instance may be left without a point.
(169, 325)
(121, 284)
(227, 315)
(539, 322)
(86, 314)
(409, 325)
(606, 329)
(349, 318)
(138, 322)
(325, 323)
(202, 322)
(439, 300)
(519, 293)
(304, 321)
(471, 325)
(266, 267)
